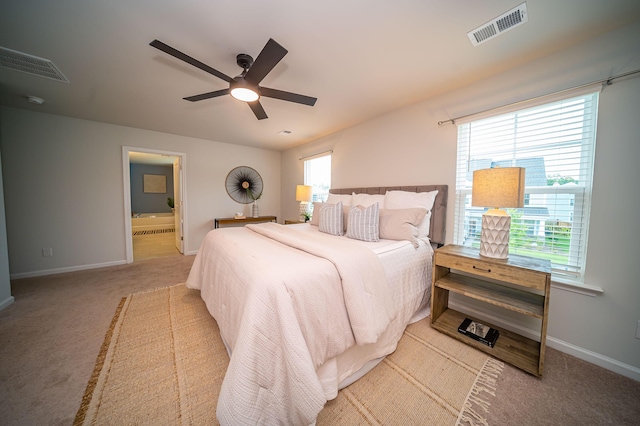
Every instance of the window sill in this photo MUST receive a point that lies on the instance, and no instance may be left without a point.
(576, 287)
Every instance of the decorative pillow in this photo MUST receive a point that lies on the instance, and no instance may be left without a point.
(331, 219)
(401, 224)
(315, 217)
(315, 214)
(336, 198)
(407, 200)
(364, 223)
(367, 200)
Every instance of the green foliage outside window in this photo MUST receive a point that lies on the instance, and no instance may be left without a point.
(561, 180)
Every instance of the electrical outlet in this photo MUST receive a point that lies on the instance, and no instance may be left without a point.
(47, 252)
(638, 330)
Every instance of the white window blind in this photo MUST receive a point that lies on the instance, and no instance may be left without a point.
(555, 143)
(317, 173)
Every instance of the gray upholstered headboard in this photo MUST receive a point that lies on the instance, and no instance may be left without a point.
(438, 214)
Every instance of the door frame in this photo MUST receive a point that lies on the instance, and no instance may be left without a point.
(177, 219)
(126, 179)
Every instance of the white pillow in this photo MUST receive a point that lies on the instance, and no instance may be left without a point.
(336, 198)
(331, 219)
(367, 200)
(364, 223)
(425, 226)
(408, 200)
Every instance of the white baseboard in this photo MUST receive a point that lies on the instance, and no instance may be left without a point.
(595, 358)
(66, 269)
(6, 302)
(552, 342)
(77, 268)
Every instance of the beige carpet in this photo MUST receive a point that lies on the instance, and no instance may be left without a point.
(163, 362)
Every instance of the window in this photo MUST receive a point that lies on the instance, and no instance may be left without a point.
(317, 173)
(555, 143)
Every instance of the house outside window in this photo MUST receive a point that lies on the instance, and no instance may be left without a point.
(555, 143)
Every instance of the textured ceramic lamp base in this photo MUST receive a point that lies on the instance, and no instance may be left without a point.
(494, 240)
(303, 210)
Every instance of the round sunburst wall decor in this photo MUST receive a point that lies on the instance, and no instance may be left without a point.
(244, 185)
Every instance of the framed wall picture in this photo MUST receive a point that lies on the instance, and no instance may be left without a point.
(154, 184)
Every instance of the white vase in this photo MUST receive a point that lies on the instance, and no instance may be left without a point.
(254, 209)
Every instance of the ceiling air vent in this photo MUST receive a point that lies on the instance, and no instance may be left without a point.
(502, 23)
(22, 62)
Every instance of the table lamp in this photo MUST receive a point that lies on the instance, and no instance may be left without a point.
(495, 188)
(303, 194)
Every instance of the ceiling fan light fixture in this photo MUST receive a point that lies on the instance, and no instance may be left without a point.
(243, 91)
(246, 86)
(244, 94)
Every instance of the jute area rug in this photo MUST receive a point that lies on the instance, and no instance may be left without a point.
(163, 362)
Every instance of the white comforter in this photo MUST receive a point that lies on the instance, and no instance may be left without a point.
(286, 302)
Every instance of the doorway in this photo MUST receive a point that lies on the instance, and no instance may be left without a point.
(154, 183)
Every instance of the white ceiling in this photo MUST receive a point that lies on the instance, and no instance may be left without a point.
(360, 58)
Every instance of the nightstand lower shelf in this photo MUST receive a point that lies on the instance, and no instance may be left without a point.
(513, 348)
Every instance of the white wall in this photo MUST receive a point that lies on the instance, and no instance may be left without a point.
(63, 188)
(407, 147)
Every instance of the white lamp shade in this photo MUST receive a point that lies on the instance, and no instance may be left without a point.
(304, 192)
(498, 187)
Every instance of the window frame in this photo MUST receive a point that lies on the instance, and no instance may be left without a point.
(318, 196)
(572, 272)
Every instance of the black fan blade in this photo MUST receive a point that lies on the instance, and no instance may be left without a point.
(271, 54)
(207, 95)
(188, 59)
(257, 110)
(287, 96)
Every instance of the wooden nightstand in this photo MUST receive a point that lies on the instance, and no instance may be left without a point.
(291, 222)
(519, 284)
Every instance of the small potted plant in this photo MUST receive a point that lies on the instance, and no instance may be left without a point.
(170, 203)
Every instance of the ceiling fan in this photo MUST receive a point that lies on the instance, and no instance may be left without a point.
(246, 86)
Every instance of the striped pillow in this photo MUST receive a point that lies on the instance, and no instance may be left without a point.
(364, 223)
(331, 220)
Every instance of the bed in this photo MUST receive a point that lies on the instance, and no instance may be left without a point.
(304, 313)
